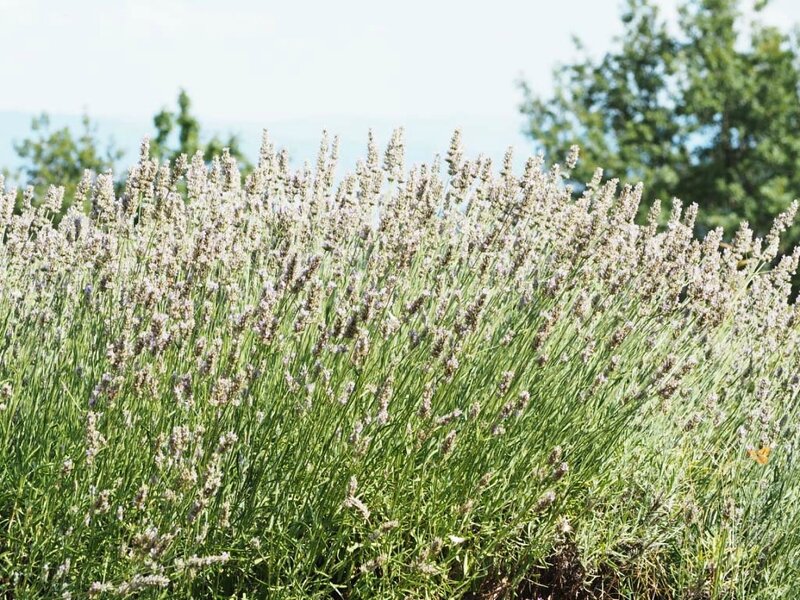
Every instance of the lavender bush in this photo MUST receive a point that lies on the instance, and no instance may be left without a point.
(404, 385)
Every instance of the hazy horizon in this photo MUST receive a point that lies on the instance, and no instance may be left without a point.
(425, 137)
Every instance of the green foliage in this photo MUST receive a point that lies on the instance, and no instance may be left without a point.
(709, 115)
(186, 127)
(60, 157)
(467, 388)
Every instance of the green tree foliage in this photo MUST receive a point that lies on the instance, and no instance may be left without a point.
(59, 157)
(710, 114)
(186, 128)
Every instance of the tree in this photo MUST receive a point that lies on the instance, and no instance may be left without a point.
(187, 128)
(708, 115)
(60, 157)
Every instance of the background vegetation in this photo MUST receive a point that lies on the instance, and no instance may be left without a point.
(708, 113)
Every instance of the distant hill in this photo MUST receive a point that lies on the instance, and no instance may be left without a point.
(425, 136)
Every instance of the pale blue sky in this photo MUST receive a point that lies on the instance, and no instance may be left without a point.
(249, 61)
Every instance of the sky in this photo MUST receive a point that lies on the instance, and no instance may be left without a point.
(251, 62)
(246, 59)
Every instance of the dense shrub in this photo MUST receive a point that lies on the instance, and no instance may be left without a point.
(406, 385)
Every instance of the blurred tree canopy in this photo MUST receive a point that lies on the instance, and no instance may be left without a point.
(60, 157)
(710, 114)
(186, 127)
